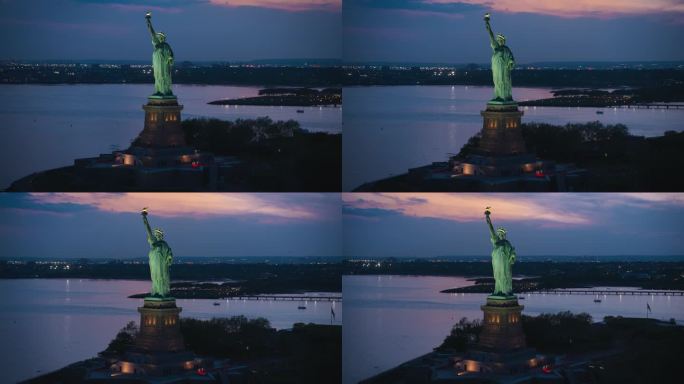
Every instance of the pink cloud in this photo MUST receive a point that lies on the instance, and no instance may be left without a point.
(285, 5)
(143, 8)
(547, 209)
(577, 8)
(466, 207)
(190, 205)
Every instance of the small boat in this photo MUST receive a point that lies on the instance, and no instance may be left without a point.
(300, 111)
(599, 112)
(216, 303)
(301, 307)
(521, 297)
(597, 300)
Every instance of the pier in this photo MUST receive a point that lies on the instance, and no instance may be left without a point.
(613, 292)
(653, 106)
(285, 298)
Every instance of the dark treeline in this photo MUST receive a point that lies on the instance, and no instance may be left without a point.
(254, 278)
(521, 77)
(215, 75)
(337, 76)
(654, 275)
(309, 353)
(276, 156)
(282, 278)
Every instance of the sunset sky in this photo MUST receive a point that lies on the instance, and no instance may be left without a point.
(223, 30)
(436, 224)
(368, 225)
(105, 225)
(453, 31)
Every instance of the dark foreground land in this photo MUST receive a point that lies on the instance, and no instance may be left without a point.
(617, 350)
(265, 156)
(275, 156)
(256, 352)
(613, 160)
(289, 97)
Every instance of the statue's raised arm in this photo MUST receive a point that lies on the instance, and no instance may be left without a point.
(492, 40)
(489, 224)
(148, 18)
(150, 237)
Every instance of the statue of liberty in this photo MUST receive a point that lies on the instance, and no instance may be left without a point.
(502, 64)
(162, 61)
(503, 257)
(160, 258)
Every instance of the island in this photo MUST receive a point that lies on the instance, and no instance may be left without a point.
(662, 97)
(289, 97)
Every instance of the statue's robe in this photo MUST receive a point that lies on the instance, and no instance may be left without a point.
(502, 64)
(162, 66)
(160, 258)
(503, 257)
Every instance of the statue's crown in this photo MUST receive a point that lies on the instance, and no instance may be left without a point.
(158, 231)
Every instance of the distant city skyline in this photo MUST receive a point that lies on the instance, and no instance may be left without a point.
(109, 225)
(438, 224)
(198, 30)
(563, 30)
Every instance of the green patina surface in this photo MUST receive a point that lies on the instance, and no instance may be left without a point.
(162, 61)
(502, 65)
(503, 257)
(160, 259)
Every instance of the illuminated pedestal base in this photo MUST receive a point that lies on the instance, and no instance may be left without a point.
(501, 348)
(160, 326)
(501, 151)
(159, 349)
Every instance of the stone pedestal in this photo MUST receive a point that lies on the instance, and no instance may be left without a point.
(502, 326)
(160, 326)
(162, 124)
(501, 132)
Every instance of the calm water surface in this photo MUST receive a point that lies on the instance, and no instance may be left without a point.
(48, 126)
(48, 324)
(388, 130)
(391, 319)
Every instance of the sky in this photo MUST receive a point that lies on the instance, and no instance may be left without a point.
(453, 31)
(197, 30)
(109, 225)
(543, 224)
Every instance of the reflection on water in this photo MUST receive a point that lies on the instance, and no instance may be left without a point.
(391, 319)
(388, 130)
(47, 324)
(48, 126)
